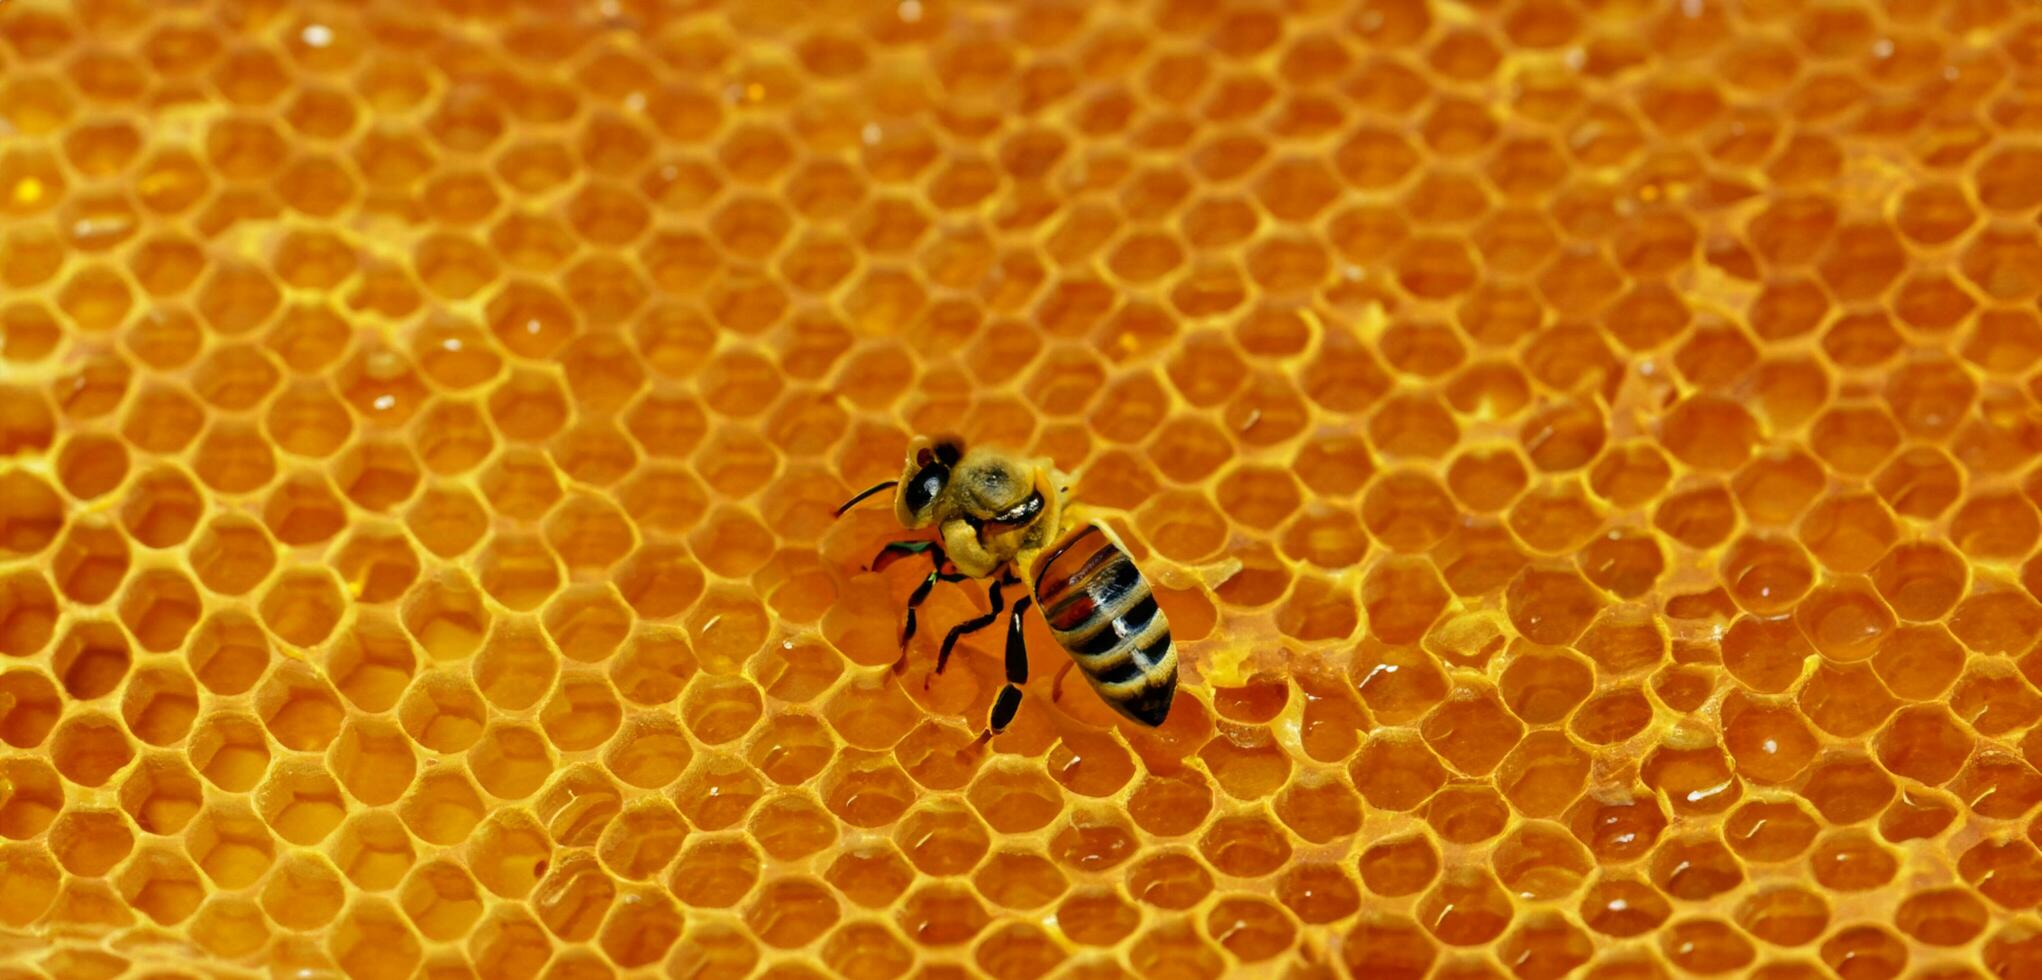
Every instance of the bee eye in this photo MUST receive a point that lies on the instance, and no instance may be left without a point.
(921, 491)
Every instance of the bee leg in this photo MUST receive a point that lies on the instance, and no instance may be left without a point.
(971, 625)
(897, 550)
(1056, 687)
(901, 549)
(1008, 703)
(915, 599)
(921, 593)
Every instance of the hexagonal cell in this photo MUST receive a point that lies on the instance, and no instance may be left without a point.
(447, 520)
(29, 707)
(90, 465)
(161, 883)
(454, 353)
(34, 515)
(307, 259)
(162, 794)
(90, 903)
(373, 759)
(714, 872)
(720, 709)
(28, 331)
(802, 672)
(234, 457)
(235, 376)
(230, 844)
(443, 712)
(307, 419)
(509, 943)
(866, 789)
(377, 563)
(164, 338)
(588, 622)
(159, 607)
(518, 571)
(301, 802)
(232, 555)
(642, 839)
(303, 510)
(521, 484)
(528, 406)
(654, 666)
(91, 659)
(511, 762)
(446, 616)
(729, 626)
(161, 508)
(303, 606)
(582, 714)
(441, 899)
(90, 842)
(641, 929)
(718, 790)
(28, 426)
(90, 748)
(453, 437)
(381, 384)
(377, 474)
(229, 653)
(594, 452)
(740, 460)
(230, 750)
(589, 534)
(307, 338)
(649, 753)
(28, 613)
(373, 850)
(35, 798)
(372, 662)
(443, 808)
(373, 941)
(509, 852)
(732, 542)
(517, 667)
(299, 708)
(304, 894)
(664, 497)
(659, 580)
(91, 561)
(942, 914)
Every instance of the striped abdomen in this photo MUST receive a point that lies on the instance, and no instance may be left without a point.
(1100, 609)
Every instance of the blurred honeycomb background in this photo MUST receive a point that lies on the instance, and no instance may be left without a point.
(1587, 448)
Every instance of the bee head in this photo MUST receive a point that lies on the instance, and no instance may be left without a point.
(996, 493)
(930, 465)
(990, 491)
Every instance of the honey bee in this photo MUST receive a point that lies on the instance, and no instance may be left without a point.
(1006, 519)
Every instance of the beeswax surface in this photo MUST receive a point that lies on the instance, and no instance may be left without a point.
(1587, 450)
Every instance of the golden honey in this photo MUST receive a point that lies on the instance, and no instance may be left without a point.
(1588, 454)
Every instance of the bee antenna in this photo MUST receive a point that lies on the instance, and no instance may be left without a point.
(860, 498)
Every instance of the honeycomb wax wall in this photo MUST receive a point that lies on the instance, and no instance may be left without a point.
(1587, 451)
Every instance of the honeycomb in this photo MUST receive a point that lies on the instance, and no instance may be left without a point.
(1588, 451)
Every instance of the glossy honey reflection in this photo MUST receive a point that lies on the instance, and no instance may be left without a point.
(1587, 455)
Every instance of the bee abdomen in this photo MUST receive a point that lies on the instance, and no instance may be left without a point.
(1100, 609)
